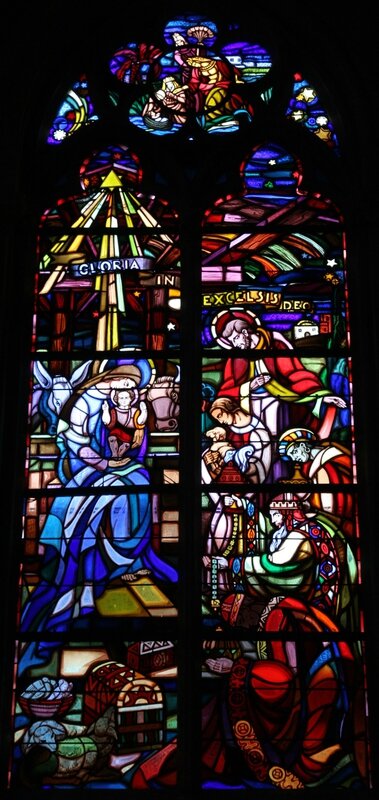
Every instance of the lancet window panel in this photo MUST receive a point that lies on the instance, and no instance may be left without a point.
(190, 601)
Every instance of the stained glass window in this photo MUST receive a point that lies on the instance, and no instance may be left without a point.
(189, 602)
(76, 110)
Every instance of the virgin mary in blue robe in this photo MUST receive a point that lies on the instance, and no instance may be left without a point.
(94, 537)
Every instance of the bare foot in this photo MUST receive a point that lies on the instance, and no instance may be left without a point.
(118, 462)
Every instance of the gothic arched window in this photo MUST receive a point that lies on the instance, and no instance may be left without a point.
(189, 610)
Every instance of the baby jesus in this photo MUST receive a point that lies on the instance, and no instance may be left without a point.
(125, 424)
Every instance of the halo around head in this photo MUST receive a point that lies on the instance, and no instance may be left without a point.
(227, 315)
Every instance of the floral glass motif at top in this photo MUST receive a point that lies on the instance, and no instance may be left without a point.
(193, 83)
(75, 111)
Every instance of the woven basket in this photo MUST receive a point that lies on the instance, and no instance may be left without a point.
(46, 709)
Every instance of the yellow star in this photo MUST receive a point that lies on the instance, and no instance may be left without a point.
(307, 95)
(325, 134)
(297, 115)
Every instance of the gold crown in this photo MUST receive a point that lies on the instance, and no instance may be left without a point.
(286, 501)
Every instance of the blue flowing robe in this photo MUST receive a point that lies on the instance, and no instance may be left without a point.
(80, 557)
